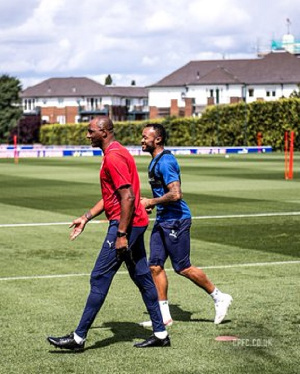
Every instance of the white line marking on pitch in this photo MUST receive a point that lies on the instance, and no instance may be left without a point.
(254, 264)
(279, 214)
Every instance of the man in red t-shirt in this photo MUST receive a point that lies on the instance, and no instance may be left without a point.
(124, 240)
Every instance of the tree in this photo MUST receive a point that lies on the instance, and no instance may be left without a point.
(108, 80)
(295, 93)
(10, 109)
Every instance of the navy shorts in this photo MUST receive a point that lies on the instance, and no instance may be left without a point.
(171, 239)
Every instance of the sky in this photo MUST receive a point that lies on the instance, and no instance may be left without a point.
(140, 40)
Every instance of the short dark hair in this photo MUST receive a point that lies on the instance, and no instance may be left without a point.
(160, 131)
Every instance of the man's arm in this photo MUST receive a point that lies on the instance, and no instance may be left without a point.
(174, 194)
(79, 223)
(127, 208)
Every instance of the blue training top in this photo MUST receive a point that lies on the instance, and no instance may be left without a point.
(163, 170)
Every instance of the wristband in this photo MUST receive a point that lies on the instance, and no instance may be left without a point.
(88, 215)
(120, 234)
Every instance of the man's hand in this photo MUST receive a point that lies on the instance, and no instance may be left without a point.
(121, 246)
(79, 225)
(149, 210)
(147, 204)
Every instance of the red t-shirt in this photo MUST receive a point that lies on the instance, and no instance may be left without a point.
(118, 169)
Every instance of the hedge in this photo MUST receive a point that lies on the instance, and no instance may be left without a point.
(223, 125)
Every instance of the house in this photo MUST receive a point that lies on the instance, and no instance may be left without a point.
(190, 89)
(185, 92)
(74, 99)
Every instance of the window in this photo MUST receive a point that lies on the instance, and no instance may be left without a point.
(29, 104)
(217, 96)
(61, 120)
(211, 93)
(93, 103)
(273, 93)
(251, 92)
(268, 93)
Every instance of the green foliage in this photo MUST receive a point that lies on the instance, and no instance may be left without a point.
(296, 93)
(71, 134)
(108, 80)
(181, 131)
(222, 125)
(10, 111)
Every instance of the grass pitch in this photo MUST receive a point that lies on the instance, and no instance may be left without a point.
(245, 235)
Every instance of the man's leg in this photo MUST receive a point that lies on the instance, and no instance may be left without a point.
(140, 274)
(157, 259)
(177, 241)
(222, 301)
(161, 283)
(160, 337)
(198, 276)
(104, 270)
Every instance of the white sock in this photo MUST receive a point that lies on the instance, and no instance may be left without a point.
(165, 311)
(78, 339)
(161, 334)
(216, 295)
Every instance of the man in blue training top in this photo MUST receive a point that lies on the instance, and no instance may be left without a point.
(171, 232)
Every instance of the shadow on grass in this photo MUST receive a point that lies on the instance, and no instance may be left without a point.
(178, 314)
(122, 332)
(130, 331)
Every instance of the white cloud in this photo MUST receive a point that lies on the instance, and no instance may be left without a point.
(133, 40)
(150, 61)
(217, 15)
(159, 21)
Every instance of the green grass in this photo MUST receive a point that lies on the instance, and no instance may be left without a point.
(234, 252)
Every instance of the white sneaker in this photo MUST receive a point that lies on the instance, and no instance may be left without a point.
(221, 308)
(149, 323)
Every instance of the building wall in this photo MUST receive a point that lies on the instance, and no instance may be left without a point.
(161, 96)
(163, 101)
(172, 99)
(66, 109)
(59, 115)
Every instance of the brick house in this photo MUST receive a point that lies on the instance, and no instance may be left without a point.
(73, 100)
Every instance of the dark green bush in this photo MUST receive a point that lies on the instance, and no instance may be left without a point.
(223, 125)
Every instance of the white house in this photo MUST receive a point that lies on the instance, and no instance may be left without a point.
(188, 90)
(185, 92)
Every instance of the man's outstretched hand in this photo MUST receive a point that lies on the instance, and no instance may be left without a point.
(78, 226)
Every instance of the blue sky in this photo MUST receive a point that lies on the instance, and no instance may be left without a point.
(141, 40)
